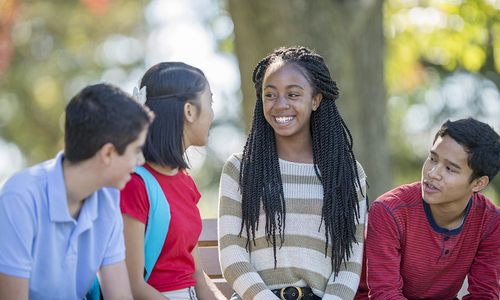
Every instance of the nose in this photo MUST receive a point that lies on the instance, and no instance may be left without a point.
(281, 103)
(435, 172)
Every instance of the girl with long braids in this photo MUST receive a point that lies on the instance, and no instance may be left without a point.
(181, 99)
(292, 206)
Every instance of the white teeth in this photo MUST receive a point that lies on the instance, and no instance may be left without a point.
(283, 119)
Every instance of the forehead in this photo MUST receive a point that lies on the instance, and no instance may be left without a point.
(449, 149)
(286, 73)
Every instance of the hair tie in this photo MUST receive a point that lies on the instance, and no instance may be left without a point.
(166, 96)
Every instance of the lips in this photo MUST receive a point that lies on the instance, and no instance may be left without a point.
(429, 187)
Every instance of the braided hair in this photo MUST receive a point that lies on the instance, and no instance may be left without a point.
(334, 162)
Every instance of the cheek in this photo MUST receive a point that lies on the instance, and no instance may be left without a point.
(212, 114)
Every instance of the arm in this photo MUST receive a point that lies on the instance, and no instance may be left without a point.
(484, 274)
(14, 288)
(234, 258)
(345, 285)
(17, 228)
(114, 282)
(133, 231)
(383, 255)
(205, 288)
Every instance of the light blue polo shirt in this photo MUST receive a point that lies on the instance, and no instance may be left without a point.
(39, 239)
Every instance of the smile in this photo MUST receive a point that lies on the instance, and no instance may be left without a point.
(283, 119)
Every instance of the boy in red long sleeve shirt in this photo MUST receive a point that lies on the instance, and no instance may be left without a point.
(424, 238)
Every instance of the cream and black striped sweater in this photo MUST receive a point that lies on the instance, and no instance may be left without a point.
(301, 259)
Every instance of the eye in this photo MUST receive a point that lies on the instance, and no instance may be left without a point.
(450, 169)
(269, 95)
(293, 95)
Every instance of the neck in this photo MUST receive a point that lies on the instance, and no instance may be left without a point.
(78, 185)
(166, 170)
(295, 150)
(449, 216)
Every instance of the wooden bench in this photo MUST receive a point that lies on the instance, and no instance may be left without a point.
(209, 256)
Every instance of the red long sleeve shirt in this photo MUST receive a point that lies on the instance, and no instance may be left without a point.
(408, 256)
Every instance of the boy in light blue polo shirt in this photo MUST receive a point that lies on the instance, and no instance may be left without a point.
(60, 220)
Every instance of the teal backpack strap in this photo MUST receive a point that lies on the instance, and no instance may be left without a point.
(95, 291)
(158, 220)
(156, 230)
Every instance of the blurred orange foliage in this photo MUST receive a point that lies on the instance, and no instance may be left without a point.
(7, 17)
(97, 7)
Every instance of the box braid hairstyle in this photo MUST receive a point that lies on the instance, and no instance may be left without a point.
(334, 162)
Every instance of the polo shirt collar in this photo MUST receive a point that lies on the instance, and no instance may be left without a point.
(57, 197)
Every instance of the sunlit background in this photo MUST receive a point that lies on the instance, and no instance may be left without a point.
(442, 61)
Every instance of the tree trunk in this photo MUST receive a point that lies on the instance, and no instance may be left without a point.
(349, 36)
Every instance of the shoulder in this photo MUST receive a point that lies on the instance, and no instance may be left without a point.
(235, 158)
(134, 192)
(404, 196)
(184, 175)
(233, 164)
(362, 180)
(361, 171)
(30, 183)
(486, 209)
(135, 183)
(109, 197)
(481, 201)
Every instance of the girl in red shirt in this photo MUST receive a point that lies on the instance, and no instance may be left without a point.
(180, 96)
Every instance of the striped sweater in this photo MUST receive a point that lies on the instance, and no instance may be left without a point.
(301, 260)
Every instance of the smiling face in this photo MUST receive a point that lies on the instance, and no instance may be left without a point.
(196, 127)
(446, 175)
(288, 101)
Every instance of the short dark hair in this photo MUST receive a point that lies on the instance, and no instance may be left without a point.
(481, 143)
(169, 86)
(101, 114)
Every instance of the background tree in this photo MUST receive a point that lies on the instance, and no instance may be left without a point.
(442, 63)
(441, 60)
(349, 36)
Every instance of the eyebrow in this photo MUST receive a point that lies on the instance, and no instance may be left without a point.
(288, 86)
(447, 160)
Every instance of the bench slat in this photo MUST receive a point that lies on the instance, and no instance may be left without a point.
(210, 261)
(209, 256)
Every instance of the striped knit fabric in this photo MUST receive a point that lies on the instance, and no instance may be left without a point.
(301, 259)
(410, 257)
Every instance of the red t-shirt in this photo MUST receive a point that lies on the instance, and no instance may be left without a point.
(175, 266)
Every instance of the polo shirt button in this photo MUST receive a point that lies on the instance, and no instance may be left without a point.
(447, 251)
(446, 238)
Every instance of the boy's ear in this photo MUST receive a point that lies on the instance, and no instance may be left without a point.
(480, 183)
(190, 112)
(317, 101)
(106, 153)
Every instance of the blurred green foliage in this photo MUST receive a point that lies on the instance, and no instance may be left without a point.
(58, 50)
(62, 45)
(428, 44)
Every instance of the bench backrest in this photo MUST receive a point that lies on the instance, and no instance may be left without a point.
(209, 256)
